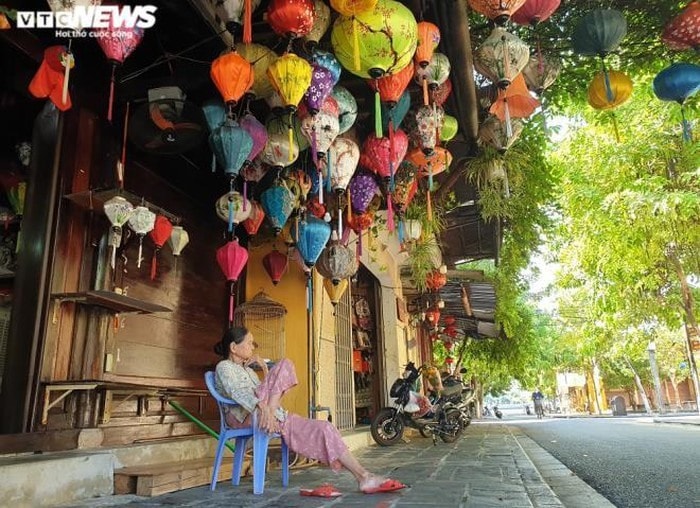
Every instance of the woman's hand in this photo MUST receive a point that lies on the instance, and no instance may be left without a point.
(259, 361)
(267, 419)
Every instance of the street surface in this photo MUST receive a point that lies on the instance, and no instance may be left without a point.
(631, 461)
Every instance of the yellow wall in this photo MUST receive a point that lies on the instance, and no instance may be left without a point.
(290, 292)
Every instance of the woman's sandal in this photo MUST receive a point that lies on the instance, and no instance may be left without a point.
(386, 486)
(325, 490)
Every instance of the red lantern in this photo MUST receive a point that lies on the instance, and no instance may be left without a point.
(435, 280)
(392, 86)
(233, 76)
(450, 321)
(683, 31)
(377, 153)
(449, 360)
(432, 316)
(442, 93)
(291, 18)
(535, 11)
(231, 258)
(255, 219)
(428, 40)
(451, 331)
(316, 208)
(159, 234)
(498, 10)
(275, 264)
(448, 345)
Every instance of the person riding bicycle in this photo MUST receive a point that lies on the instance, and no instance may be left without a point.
(537, 400)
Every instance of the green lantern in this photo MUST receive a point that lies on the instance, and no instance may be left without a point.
(387, 39)
(449, 128)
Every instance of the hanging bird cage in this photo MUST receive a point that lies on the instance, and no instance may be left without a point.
(265, 319)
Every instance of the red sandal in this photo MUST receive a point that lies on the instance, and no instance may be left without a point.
(325, 490)
(386, 486)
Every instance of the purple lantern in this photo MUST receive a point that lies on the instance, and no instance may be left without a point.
(257, 132)
(363, 187)
(322, 82)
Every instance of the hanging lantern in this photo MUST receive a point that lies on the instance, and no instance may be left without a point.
(435, 280)
(363, 188)
(299, 184)
(231, 145)
(316, 208)
(117, 43)
(233, 76)
(599, 32)
(275, 264)
(347, 108)
(677, 83)
(257, 133)
(278, 151)
(433, 75)
(442, 93)
(290, 76)
(337, 262)
(233, 209)
(366, 48)
(413, 229)
(312, 236)
(335, 291)
(118, 210)
(255, 171)
(321, 128)
(215, 113)
(51, 79)
(377, 154)
(17, 195)
(428, 40)
(358, 223)
(449, 128)
(497, 10)
(141, 222)
(179, 238)
(392, 86)
(428, 124)
(232, 259)
(405, 185)
(291, 18)
(395, 113)
(683, 31)
(501, 57)
(322, 20)
(327, 60)
(433, 164)
(533, 12)
(514, 102)
(277, 202)
(255, 219)
(493, 132)
(159, 234)
(540, 72)
(319, 90)
(619, 84)
(280, 124)
(449, 320)
(432, 316)
(343, 157)
(259, 57)
(237, 14)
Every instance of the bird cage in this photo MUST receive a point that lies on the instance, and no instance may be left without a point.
(265, 319)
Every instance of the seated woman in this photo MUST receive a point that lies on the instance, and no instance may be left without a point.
(315, 439)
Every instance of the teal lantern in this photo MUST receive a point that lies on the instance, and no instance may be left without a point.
(231, 145)
(347, 108)
(311, 235)
(599, 32)
(396, 113)
(277, 202)
(677, 83)
(215, 113)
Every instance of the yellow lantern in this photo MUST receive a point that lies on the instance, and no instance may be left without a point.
(260, 57)
(335, 291)
(290, 76)
(620, 89)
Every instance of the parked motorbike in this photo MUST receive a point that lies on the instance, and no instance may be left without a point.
(388, 425)
(497, 412)
(459, 396)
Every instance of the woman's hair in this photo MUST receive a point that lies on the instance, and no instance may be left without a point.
(233, 335)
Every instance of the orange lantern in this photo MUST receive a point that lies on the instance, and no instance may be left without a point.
(497, 10)
(435, 280)
(432, 316)
(255, 219)
(233, 76)
(392, 86)
(428, 40)
(514, 102)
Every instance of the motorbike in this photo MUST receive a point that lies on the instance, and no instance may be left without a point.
(497, 412)
(388, 425)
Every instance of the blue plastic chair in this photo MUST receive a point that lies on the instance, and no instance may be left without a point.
(261, 440)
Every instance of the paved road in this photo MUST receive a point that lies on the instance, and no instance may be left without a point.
(631, 461)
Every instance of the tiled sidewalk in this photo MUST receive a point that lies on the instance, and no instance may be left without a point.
(489, 466)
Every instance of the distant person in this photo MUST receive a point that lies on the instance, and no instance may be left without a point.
(537, 400)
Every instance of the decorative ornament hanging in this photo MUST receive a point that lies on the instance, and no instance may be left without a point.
(541, 72)
(255, 219)
(395, 114)
(428, 124)
(258, 135)
(160, 234)
(231, 145)
(319, 90)
(388, 91)
(275, 264)
(141, 222)
(677, 83)
(233, 209)
(281, 123)
(534, 12)
(619, 83)
(433, 75)
(337, 262)
(179, 238)
(312, 235)
(363, 188)
(322, 20)
(405, 185)
(215, 113)
(237, 14)
(493, 132)
(514, 102)
(501, 57)
(347, 108)
(449, 128)
(335, 291)
(683, 31)
(277, 202)
(259, 57)
(327, 60)
(291, 18)
(599, 32)
(442, 93)
(321, 128)
(499, 11)
(343, 157)
(233, 76)
(232, 258)
(52, 77)
(279, 151)
(435, 280)
(118, 210)
(428, 40)
(377, 155)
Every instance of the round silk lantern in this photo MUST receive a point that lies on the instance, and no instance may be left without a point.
(141, 222)
(291, 18)
(619, 84)
(236, 14)
(449, 128)
(337, 262)
(255, 171)
(278, 151)
(319, 90)
(392, 86)
(363, 188)
(428, 124)
(179, 238)
(117, 43)
(442, 93)
(347, 108)
(384, 39)
(430, 165)
(501, 57)
(255, 219)
(343, 157)
(497, 10)
(321, 128)
(232, 258)
(433, 75)
(290, 76)
(280, 124)
(683, 31)
(159, 234)
(322, 20)
(118, 210)
(233, 208)
(275, 264)
(377, 154)
(233, 76)
(599, 32)
(312, 235)
(541, 72)
(329, 61)
(277, 202)
(260, 57)
(677, 83)
(335, 291)
(493, 132)
(231, 145)
(397, 113)
(353, 7)
(428, 40)
(534, 12)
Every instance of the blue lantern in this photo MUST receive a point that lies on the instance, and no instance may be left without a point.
(277, 202)
(677, 83)
(599, 32)
(397, 113)
(311, 235)
(231, 145)
(329, 61)
(215, 113)
(347, 107)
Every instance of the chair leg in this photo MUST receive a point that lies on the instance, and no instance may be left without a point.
(217, 461)
(260, 444)
(285, 464)
(238, 457)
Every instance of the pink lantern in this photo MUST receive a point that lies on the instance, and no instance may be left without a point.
(535, 11)
(231, 258)
(117, 43)
(377, 153)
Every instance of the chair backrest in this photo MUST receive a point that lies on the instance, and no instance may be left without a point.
(221, 401)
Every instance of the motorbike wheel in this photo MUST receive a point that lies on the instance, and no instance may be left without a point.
(386, 428)
(452, 418)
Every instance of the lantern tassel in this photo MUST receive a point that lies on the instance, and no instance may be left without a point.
(113, 259)
(329, 169)
(608, 87)
(314, 145)
(506, 59)
(230, 216)
(122, 164)
(245, 194)
(615, 128)
(359, 244)
(509, 125)
(429, 206)
(154, 263)
(66, 78)
(687, 131)
(426, 95)
(213, 163)
(401, 232)
(378, 115)
(340, 219)
(356, 44)
(347, 197)
(309, 300)
(320, 187)
(291, 138)
(430, 176)
(138, 260)
(231, 300)
(392, 153)
(248, 22)
(389, 214)
(111, 93)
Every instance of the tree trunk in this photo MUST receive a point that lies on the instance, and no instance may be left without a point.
(691, 323)
(596, 391)
(640, 387)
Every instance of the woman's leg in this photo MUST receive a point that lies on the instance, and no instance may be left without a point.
(281, 378)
